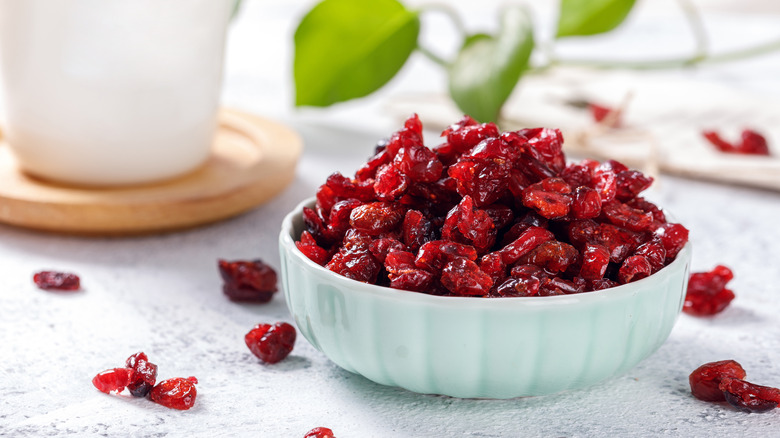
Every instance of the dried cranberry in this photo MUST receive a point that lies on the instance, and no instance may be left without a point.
(177, 393)
(435, 254)
(707, 294)
(52, 280)
(308, 246)
(749, 397)
(586, 203)
(601, 112)
(271, 343)
(250, 281)
(320, 432)
(144, 374)
(704, 380)
(527, 241)
(595, 259)
(553, 256)
(390, 183)
(751, 143)
(115, 379)
(463, 277)
(404, 274)
(634, 268)
(376, 218)
(416, 229)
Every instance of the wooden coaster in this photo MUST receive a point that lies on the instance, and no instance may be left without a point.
(252, 160)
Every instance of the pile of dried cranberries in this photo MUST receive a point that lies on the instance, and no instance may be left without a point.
(488, 214)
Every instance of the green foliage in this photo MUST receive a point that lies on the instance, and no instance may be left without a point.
(590, 17)
(346, 49)
(487, 67)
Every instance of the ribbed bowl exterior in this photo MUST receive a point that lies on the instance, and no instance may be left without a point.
(478, 347)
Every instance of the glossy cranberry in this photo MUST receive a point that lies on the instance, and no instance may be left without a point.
(376, 218)
(707, 294)
(250, 281)
(595, 259)
(309, 247)
(634, 268)
(177, 393)
(704, 380)
(749, 397)
(115, 380)
(52, 280)
(320, 432)
(463, 277)
(586, 203)
(390, 183)
(271, 342)
(144, 374)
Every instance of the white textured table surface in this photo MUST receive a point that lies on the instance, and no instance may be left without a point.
(162, 295)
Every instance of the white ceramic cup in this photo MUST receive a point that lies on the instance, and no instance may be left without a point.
(111, 92)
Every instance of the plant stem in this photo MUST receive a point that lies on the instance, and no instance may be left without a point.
(450, 12)
(432, 56)
(662, 64)
(697, 26)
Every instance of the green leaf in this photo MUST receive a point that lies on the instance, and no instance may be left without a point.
(487, 67)
(346, 49)
(590, 17)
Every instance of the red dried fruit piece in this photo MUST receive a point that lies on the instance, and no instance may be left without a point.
(601, 284)
(749, 397)
(601, 112)
(115, 379)
(605, 183)
(376, 218)
(380, 248)
(467, 133)
(525, 281)
(177, 393)
(486, 183)
(552, 286)
(707, 294)
(501, 215)
(473, 224)
(248, 281)
(339, 218)
(404, 274)
(527, 241)
(53, 280)
(654, 251)
(410, 135)
(674, 237)
(416, 230)
(642, 204)
(751, 143)
(320, 432)
(595, 259)
(463, 277)
(624, 216)
(586, 203)
(369, 170)
(552, 256)
(346, 188)
(433, 255)
(550, 198)
(390, 184)
(620, 242)
(704, 380)
(634, 268)
(630, 183)
(271, 342)
(308, 246)
(548, 143)
(356, 262)
(579, 174)
(419, 163)
(493, 265)
(144, 374)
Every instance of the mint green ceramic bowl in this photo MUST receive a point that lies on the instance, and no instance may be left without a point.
(478, 347)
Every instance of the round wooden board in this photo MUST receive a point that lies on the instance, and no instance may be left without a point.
(252, 160)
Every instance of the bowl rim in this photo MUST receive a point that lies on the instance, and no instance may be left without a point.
(287, 241)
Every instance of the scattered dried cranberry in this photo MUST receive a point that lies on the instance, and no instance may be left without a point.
(320, 432)
(707, 294)
(144, 374)
(52, 280)
(752, 143)
(488, 214)
(176, 393)
(115, 379)
(749, 397)
(252, 281)
(704, 380)
(601, 112)
(271, 343)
